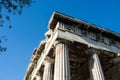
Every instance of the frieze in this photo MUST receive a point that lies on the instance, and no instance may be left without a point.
(95, 37)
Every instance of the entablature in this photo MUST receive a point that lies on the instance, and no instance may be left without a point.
(59, 17)
(86, 36)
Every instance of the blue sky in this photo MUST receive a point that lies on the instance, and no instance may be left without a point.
(29, 28)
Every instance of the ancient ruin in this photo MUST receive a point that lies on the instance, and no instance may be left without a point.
(75, 50)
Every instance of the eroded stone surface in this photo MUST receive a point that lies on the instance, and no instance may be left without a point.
(83, 52)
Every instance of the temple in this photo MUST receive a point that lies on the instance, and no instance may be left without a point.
(75, 50)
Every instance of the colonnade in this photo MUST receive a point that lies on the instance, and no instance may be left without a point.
(62, 67)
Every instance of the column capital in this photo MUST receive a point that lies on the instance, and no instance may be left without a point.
(92, 51)
(48, 60)
(61, 41)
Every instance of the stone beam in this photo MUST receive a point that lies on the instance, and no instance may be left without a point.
(84, 40)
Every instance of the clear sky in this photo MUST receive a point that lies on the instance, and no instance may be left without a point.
(29, 28)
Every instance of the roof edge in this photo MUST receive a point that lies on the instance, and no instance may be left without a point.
(57, 16)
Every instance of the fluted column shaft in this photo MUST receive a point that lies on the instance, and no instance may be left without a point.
(62, 69)
(95, 67)
(47, 75)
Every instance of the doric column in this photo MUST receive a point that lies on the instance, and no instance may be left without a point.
(62, 69)
(94, 65)
(47, 75)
